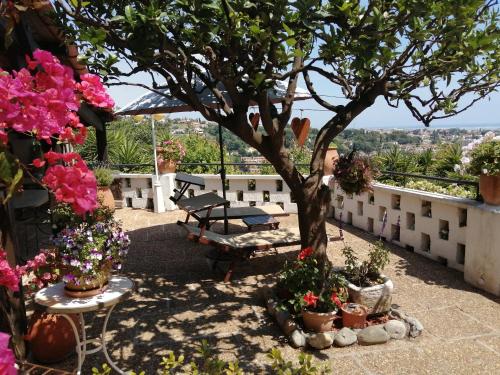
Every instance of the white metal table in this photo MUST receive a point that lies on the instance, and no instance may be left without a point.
(54, 301)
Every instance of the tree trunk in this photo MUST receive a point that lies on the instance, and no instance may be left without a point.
(313, 204)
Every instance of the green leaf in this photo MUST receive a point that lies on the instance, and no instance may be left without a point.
(11, 174)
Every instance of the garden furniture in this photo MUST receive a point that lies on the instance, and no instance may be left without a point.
(54, 301)
(261, 221)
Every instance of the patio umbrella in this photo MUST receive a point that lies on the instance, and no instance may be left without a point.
(162, 102)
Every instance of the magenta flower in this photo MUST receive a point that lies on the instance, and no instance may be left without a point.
(7, 359)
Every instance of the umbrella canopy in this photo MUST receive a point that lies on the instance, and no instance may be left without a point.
(153, 102)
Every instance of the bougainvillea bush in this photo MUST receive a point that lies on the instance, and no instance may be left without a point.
(42, 101)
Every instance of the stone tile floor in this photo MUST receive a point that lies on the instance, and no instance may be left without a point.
(180, 301)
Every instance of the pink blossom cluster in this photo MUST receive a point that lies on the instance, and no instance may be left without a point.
(72, 182)
(7, 358)
(8, 276)
(40, 271)
(94, 92)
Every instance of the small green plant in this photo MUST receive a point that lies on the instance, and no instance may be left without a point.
(63, 216)
(212, 365)
(362, 273)
(485, 158)
(104, 177)
(308, 284)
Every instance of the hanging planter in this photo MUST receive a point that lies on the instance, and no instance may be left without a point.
(300, 128)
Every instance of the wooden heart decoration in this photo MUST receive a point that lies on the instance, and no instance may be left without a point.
(300, 129)
(254, 120)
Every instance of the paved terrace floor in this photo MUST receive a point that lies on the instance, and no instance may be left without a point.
(180, 301)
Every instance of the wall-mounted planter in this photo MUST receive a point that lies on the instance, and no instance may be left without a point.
(377, 298)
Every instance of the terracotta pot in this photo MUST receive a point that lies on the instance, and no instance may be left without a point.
(489, 187)
(318, 322)
(105, 197)
(87, 288)
(354, 315)
(51, 337)
(167, 166)
(331, 157)
(377, 298)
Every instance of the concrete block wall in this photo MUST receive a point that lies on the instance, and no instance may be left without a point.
(461, 233)
(137, 190)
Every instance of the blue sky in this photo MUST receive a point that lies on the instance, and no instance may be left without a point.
(484, 113)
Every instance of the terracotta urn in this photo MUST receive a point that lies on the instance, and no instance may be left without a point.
(354, 315)
(318, 322)
(489, 187)
(105, 197)
(166, 166)
(331, 157)
(51, 337)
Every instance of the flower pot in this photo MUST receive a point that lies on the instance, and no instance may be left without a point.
(318, 322)
(105, 197)
(331, 157)
(51, 337)
(166, 166)
(489, 187)
(378, 298)
(354, 315)
(82, 287)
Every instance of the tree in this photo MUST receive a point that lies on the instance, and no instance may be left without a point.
(429, 55)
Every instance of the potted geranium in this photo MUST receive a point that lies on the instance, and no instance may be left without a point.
(104, 178)
(312, 290)
(353, 173)
(366, 284)
(169, 153)
(88, 253)
(485, 163)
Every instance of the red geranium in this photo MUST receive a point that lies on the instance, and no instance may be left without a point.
(310, 299)
(305, 253)
(335, 299)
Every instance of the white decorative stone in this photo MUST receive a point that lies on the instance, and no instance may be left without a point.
(395, 329)
(373, 335)
(298, 339)
(345, 337)
(321, 340)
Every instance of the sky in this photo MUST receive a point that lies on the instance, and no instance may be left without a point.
(485, 113)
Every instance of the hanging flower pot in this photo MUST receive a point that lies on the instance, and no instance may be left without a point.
(300, 128)
(354, 315)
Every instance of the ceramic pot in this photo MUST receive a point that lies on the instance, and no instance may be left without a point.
(105, 197)
(354, 315)
(331, 157)
(88, 288)
(377, 298)
(318, 322)
(51, 337)
(166, 166)
(489, 187)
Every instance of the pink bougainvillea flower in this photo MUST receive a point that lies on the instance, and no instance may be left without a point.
(335, 299)
(94, 92)
(305, 253)
(311, 299)
(8, 276)
(38, 163)
(7, 359)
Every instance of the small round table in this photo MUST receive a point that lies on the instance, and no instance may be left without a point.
(54, 301)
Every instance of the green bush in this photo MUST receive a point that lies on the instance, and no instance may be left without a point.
(104, 177)
(485, 158)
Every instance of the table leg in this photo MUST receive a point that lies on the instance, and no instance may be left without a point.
(78, 342)
(103, 340)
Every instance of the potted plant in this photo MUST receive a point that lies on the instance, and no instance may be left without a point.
(313, 290)
(169, 153)
(330, 159)
(353, 173)
(366, 284)
(88, 253)
(485, 163)
(104, 178)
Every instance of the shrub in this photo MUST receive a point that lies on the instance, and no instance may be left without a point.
(485, 158)
(104, 177)
(361, 273)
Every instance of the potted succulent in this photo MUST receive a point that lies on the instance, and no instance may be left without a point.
(169, 153)
(330, 159)
(104, 178)
(366, 284)
(485, 163)
(353, 173)
(313, 290)
(88, 253)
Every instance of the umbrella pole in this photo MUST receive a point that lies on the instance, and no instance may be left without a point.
(159, 203)
(223, 178)
(155, 156)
